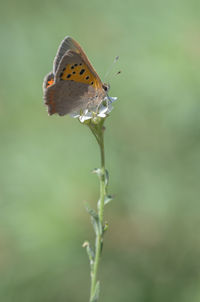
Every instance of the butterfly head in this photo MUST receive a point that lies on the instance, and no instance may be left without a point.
(106, 87)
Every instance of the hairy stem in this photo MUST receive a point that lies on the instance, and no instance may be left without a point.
(99, 134)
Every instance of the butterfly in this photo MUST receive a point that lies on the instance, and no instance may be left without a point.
(73, 85)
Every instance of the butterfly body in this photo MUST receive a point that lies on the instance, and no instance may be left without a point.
(73, 85)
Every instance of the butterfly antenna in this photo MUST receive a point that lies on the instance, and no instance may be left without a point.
(110, 69)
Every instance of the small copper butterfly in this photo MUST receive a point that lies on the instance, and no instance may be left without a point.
(73, 85)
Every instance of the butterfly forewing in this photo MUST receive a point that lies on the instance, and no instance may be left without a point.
(70, 44)
(73, 68)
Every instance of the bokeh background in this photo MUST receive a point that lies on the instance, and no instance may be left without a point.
(152, 247)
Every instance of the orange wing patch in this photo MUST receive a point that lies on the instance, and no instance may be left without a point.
(50, 82)
(79, 73)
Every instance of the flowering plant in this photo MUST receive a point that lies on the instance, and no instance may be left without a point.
(95, 119)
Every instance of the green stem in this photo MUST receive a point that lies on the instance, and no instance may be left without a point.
(99, 134)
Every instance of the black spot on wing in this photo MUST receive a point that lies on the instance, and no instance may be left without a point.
(82, 71)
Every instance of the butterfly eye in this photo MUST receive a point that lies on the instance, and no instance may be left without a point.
(105, 87)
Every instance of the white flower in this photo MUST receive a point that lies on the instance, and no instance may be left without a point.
(104, 109)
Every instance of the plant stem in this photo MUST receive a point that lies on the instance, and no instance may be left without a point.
(99, 134)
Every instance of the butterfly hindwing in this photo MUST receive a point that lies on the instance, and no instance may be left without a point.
(68, 96)
(65, 45)
(48, 80)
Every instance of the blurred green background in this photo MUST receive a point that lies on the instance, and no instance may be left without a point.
(152, 248)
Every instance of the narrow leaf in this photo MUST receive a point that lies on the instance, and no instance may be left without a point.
(90, 252)
(91, 211)
(108, 199)
(94, 218)
(95, 298)
(95, 223)
(97, 171)
(105, 227)
(106, 177)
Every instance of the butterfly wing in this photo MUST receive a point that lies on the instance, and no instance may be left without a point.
(67, 96)
(73, 88)
(65, 45)
(70, 44)
(48, 80)
(74, 84)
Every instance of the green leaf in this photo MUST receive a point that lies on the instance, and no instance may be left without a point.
(106, 177)
(97, 171)
(94, 218)
(95, 223)
(105, 227)
(108, 199)
(90, 252)
(91, 211)
(99, 204)
(101, 246)
(95, 298)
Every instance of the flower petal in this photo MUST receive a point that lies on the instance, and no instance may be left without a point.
(104, 109)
